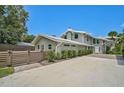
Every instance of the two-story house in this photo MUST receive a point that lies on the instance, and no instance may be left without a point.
(71, 40)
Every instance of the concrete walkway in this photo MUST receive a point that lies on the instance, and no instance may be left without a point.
(80, 71)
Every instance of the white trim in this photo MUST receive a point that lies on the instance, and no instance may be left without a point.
(56, 50)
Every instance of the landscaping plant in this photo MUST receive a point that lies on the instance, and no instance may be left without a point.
(79, 52)
(69, 53)
(64, 54)
(58, 56)
(83, 52)
(51, 56)
(74, 53)
(4, 71)
(123, 52)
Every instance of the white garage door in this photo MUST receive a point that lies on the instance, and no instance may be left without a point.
(97, 49)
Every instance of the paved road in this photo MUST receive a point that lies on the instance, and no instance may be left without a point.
(80, 71)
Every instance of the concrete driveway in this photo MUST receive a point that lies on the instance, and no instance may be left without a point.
(80, 71)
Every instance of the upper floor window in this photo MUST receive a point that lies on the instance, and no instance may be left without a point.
(49, 46)
(87, 38)
(97, 41)
(94, 41)
(76, 35)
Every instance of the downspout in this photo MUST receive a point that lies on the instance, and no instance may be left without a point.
(57, 47)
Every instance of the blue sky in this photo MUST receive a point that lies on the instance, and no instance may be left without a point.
(54, 20)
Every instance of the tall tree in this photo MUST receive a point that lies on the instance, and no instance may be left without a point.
(28, 38)
(2, 24)
(112, 34)
(13, 23)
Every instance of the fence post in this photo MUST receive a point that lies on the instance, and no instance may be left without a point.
(42, 56)
(28, 56)
(10, 57)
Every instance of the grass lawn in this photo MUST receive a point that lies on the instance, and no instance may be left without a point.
(6, 71)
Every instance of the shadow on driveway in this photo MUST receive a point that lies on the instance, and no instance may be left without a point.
(120, 60)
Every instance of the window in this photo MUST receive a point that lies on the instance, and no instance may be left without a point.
(87, 38)
(97, 41)
(94, 41)
(49, 46)
(76, 35)
(42, 47)
(38, 46)
(65, 37)
(73, 45)
(66, 45)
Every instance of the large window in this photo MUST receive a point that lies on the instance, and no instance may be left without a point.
(76, 35)
(49, 46)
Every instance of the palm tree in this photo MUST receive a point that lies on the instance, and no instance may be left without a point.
(112, 34)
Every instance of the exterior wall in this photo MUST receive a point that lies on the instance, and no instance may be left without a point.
(70, 47)
(98, 49)
(101, 45)
(45, 42)
(69, 35)
(79, 39)
(82, 38)
(88, 39)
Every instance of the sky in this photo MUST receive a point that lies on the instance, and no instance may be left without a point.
(54, 20)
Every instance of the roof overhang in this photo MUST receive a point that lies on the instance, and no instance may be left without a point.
(58, 40)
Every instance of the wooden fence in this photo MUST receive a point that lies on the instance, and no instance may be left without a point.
(15, 58)
(5, 47)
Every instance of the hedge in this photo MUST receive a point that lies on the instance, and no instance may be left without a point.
(52, 56)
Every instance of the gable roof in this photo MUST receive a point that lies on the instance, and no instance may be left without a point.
(75, 31)
(24, 44)
(102, 38)
(57, 39)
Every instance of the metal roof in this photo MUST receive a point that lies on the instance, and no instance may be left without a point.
(58, 39)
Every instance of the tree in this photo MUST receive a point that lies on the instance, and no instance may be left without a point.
(2, 24)
(112, 34)
(28, 38)
(122, 42)
(12, 23)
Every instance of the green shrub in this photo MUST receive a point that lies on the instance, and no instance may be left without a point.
(83, 52)
(123, 52)
(70, 54)
(64, 54)
(89, 52)
(4, 71)
(114, 52)
(58, 56)
(79, 53)
(74, 53)
(51, 56)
